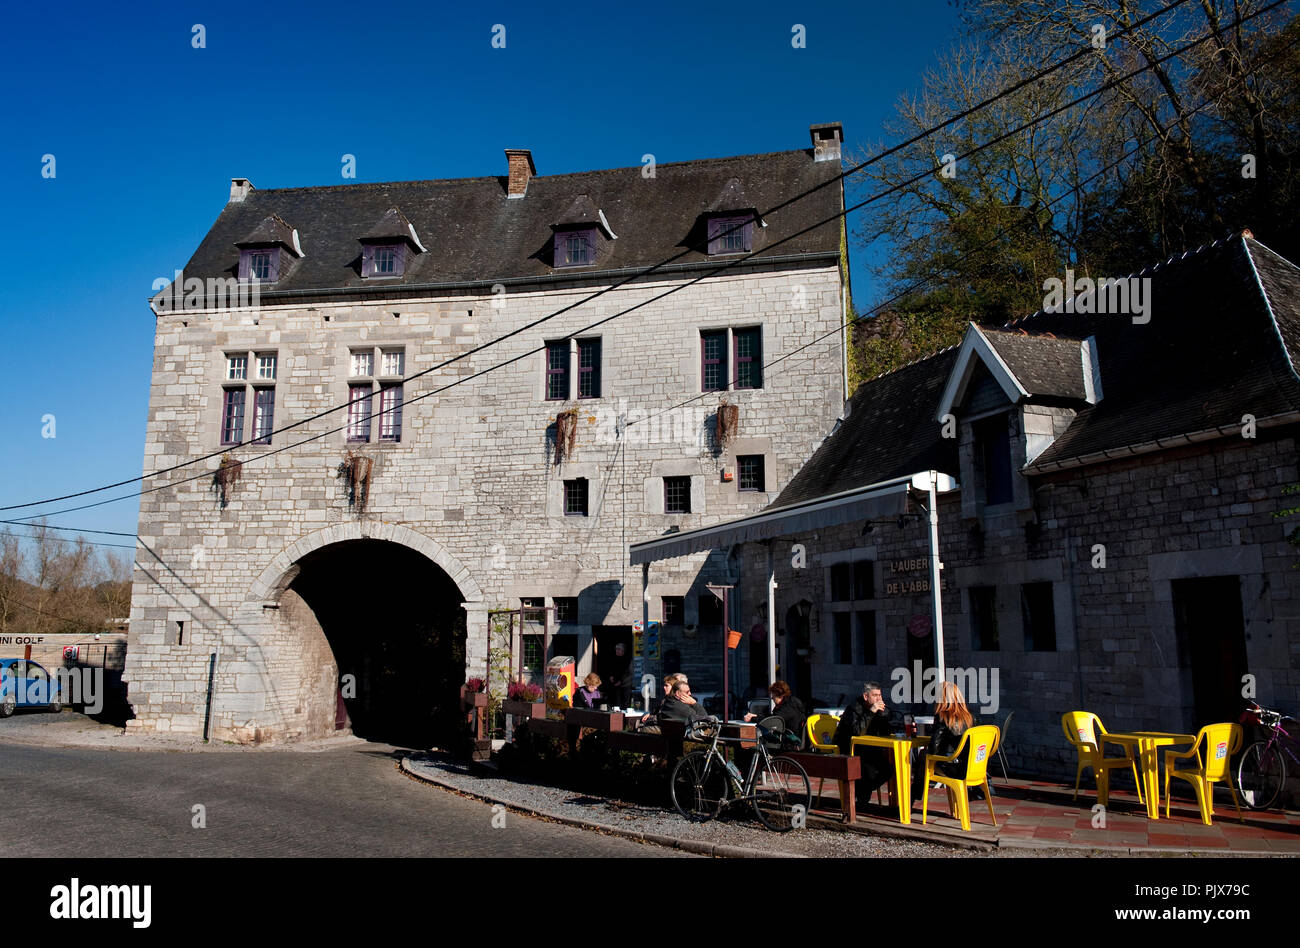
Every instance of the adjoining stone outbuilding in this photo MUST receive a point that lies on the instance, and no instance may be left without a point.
(1112, 543)
(372, 541)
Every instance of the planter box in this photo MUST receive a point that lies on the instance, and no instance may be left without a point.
(524, 709)
(473, 700)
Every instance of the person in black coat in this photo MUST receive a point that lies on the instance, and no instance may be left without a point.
(867, 715)
(951, 721)
(680, 706)
(789, 709)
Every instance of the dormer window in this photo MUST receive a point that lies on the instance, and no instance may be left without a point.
(389, 246)
(731, 234)
(260, 266)
(266, 254)
(383, 260)
(575, 248)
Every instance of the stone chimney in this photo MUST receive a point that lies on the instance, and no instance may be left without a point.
(521, 171)
(239, 188)
(826, 140)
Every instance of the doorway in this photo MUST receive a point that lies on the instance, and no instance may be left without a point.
(614, 662)
(1211, 634)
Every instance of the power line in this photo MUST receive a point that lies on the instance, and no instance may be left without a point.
(1036, 77)
(835, 217)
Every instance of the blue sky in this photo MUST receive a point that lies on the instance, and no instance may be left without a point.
(146, 132)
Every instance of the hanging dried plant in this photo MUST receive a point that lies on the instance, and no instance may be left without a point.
(566, 435)
(356, 468)
(226, 477)
(728, 421)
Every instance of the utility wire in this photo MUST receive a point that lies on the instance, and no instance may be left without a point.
(1036, 77)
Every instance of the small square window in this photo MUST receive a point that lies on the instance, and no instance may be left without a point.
(363, 363)
(677, 495)
(266, 366)
(566, 608)
(236, 368)
(575, 248)
(393, 362)
(674, 610)
(731, 234)
(750, 470)
(575, 497)
(385, 261)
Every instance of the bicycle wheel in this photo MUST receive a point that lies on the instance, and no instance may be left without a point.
(699, 786)
(782, 794)
(1260, 775)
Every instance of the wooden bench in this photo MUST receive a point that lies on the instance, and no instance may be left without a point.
(666, 744)
(841, 768)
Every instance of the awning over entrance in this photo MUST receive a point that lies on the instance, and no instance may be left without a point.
(874, 501)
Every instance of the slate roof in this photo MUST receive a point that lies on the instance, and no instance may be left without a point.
(394, 224)
(1223, 337)
(889, 431)
(272, 229)
(476, 234)
(1045, 364)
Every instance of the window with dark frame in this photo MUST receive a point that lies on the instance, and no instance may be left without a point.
(865, 630)
(983, 618)
(374, 394)
(532, 657)
(589, 368)
(236, 400)
(566, 608)
(677, 495)
(864, 579)
(710, 610)
(575, 248)
(713, 360)
(842, 623)
(841, 579)
(749, 468)
(557, 370)
(1039, 616)
(260, 265)
(575, 497)
(383, 260)
(733, 234)
(993, 451)
(749, 357)
(232, 416)
(674, 610)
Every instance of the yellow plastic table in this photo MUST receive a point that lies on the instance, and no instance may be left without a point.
(1148, 744)
(901, 786)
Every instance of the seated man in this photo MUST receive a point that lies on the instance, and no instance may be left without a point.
(867, 715)
(680, 706)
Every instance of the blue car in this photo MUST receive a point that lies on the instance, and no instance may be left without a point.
(27, 684)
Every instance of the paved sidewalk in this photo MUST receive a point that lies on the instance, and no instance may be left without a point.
(1036, 814)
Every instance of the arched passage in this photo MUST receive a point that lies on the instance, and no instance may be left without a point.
(380, 625)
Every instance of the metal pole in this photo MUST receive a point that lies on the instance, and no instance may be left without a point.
(771, 616)
(726, 656)
(936, 600)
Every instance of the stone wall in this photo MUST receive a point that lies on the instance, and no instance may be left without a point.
(472, 484)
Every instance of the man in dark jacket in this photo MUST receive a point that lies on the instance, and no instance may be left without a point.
(680, 706)
(867, 715)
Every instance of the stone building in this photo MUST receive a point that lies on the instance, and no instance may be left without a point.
(1109, 540)
(449, 327)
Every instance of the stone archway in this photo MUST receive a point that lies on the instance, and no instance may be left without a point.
(370, 620)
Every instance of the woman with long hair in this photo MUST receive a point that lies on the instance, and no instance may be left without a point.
(951, 720)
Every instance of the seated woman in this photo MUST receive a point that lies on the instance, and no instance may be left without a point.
(951, 720)
(788, 708)
(588, 696)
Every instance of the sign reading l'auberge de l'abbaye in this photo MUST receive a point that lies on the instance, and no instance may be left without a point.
(911, 577)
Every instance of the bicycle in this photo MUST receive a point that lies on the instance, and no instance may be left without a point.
(703, 782)
(1261, 772)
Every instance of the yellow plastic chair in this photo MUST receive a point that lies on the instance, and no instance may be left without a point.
(983, 741)
(821, 733)
(1221, 742)
(821, 738)
(1085, 731)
